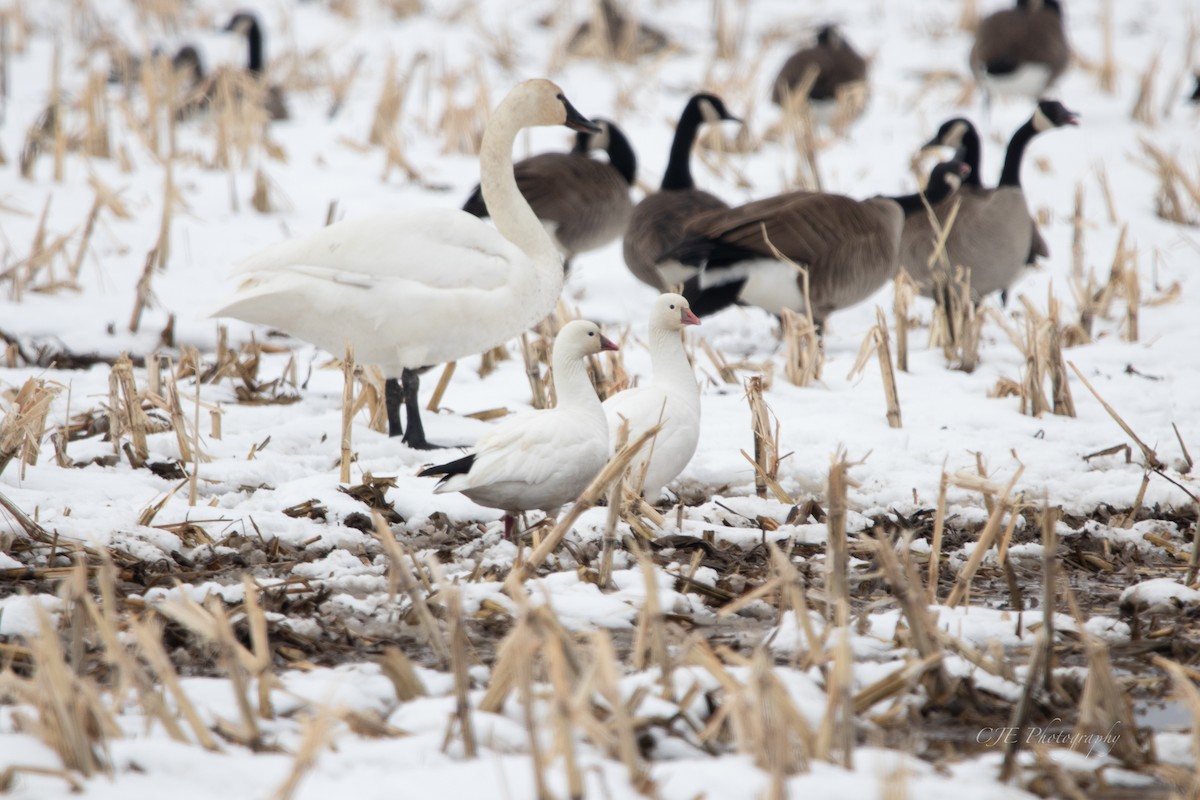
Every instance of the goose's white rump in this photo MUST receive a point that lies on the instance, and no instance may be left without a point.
(347, 283)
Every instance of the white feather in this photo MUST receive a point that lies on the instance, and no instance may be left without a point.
(411, 288)
(545, 458)
(672, 397)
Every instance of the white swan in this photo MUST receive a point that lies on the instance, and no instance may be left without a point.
(409, 289)
(545, 458)
(672, 397)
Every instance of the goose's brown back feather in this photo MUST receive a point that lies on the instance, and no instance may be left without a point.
(586, 199)
(1020, 36)
(993, 236)
(657, 224)
(848, 246)
(835, 67)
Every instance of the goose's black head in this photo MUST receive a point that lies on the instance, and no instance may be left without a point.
(952, 133)
(1053, 6)
(947, 177)
(829, 36)
(710, 108)
(243, 22)
(186, 61)
(1053, 114)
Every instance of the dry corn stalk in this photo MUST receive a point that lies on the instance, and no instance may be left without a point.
(24, 422)
(1178, 196)
(125, 410)
(1000, 506)
(799, 124)
(803, 355)
(1107, 72)
(876, 342)
(766, 441)
(1143, 109)
(70, 717)
(347, 414)
(906, 588)
(536, 353)
(1060, 389)
(904, 292)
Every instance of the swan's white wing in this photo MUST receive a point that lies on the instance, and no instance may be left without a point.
(440, 248)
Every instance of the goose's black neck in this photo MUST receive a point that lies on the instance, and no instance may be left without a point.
(937, 191)
(911, 203)
(255, 39)
(679, 167)
(1011, 174)
(620, 154)
(969, 154)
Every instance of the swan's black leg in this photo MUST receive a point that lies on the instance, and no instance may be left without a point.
(414, 437)
(393, 397)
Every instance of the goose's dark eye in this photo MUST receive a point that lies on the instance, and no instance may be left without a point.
(672, 307)
(591, 333)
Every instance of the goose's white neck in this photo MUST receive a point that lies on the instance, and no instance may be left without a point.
(669, 361)
(508, 208)
(572, 385)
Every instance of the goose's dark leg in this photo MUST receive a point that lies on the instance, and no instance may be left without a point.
(393, 397)
(414, 437)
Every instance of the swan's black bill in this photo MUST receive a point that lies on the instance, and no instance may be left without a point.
(576, 121)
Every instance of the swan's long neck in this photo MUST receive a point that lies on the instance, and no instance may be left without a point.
(679, 167)
(509, 210)
(669, 361)
(572, 385)
(1011, 174)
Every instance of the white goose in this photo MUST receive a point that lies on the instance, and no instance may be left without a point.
(672, 397)
(412, 288)
(545, 458)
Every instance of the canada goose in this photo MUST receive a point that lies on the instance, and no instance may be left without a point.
(849, 248)
(657, 221)
(412, 288)
(960, 134)
(1021, 50)
(671, 398)
(584, 203)
(126, 68)
(542, 459)
(611, 33)
(838, 68)
(194, 92)
(993, 234)
(246, 24)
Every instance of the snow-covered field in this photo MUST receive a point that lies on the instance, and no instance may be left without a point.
(748, 702)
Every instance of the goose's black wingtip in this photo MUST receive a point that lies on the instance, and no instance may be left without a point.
(456, 467)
